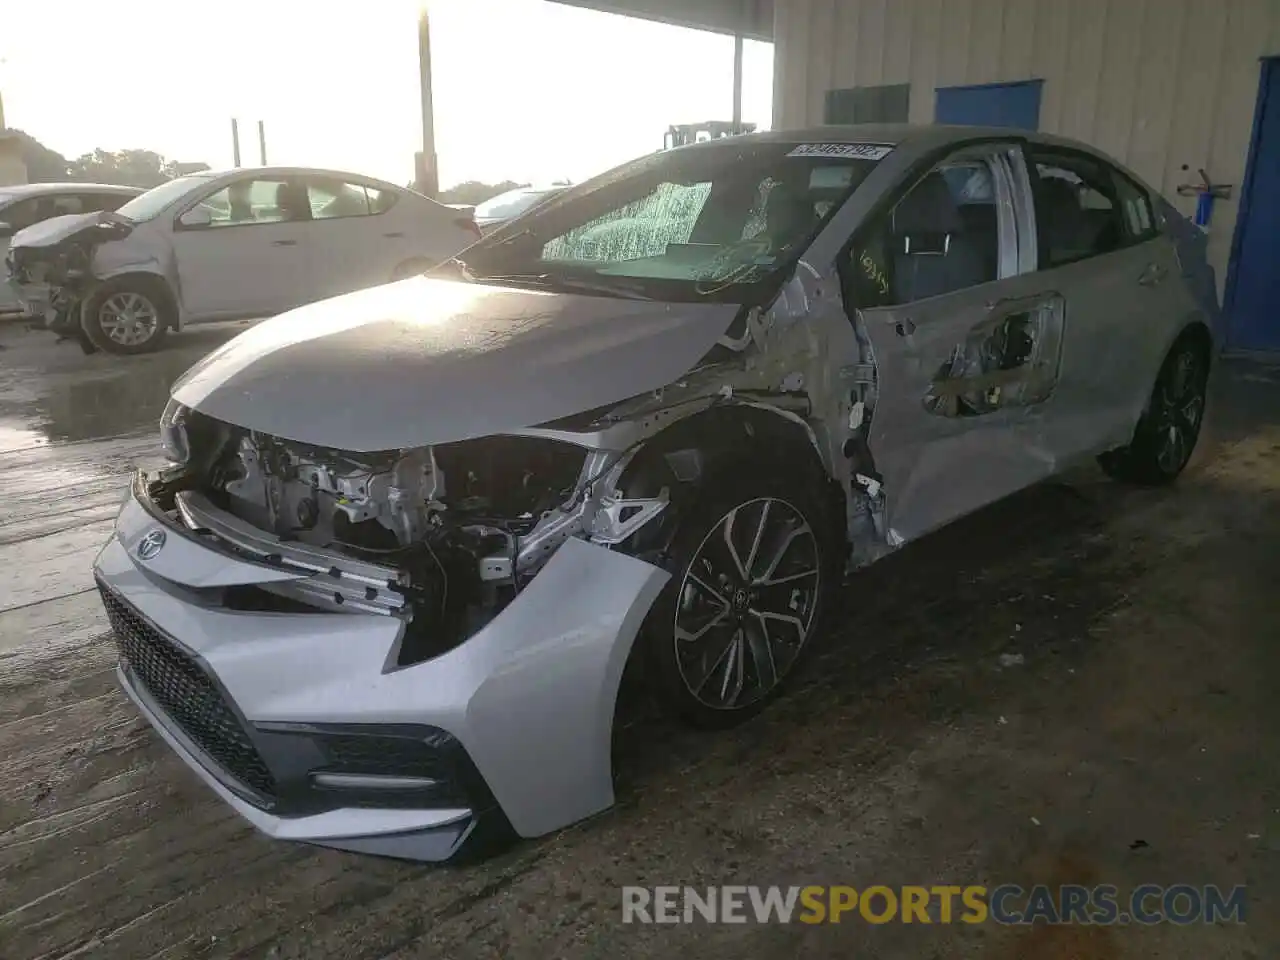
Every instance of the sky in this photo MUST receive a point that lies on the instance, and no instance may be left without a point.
(524, 90)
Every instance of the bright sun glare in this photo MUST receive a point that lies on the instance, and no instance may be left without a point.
(523, 89)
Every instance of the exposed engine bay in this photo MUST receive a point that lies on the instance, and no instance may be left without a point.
(444, 536)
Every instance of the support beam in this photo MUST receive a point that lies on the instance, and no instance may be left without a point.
(751, 18)
(737, 82)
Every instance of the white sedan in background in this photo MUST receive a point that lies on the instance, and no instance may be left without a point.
(24, 204)
(232, 245)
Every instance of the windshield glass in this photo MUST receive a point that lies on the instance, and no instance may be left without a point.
(149, 204)
(510, 204)
(703, 222)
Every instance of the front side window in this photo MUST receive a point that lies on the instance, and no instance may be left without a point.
(941, 237)
(701, 222)
(254, 201)
(23, 214)
(103, 201)
(147, 205)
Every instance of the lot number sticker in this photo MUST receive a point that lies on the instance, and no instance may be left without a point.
(849, 151)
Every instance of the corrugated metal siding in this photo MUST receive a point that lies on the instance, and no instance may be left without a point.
(1155, 83)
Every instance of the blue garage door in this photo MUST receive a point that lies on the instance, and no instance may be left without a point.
(991, 105)
(1253, 300)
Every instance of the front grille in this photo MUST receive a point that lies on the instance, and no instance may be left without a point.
(186, 693)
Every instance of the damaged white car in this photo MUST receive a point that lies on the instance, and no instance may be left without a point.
(384, 596)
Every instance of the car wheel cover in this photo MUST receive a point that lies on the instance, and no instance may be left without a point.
(128, 319)
(746, 603)
(1179, 411)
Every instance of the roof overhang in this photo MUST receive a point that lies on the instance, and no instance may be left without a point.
(751, 18)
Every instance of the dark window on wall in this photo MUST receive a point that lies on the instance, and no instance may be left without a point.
(882, 104)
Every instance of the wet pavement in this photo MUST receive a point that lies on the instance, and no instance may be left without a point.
(1077, 685)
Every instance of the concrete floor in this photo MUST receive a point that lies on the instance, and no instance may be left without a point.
(1145, 709)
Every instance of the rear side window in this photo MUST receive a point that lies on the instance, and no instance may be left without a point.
(1135, 204)
(1086, 208)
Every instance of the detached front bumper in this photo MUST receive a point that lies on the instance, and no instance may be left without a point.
(305, 725)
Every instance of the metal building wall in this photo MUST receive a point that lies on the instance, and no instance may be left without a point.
(1156, 83)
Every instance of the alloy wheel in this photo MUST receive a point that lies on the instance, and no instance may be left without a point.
(128, 318)
(746, 604)
(1178, 412)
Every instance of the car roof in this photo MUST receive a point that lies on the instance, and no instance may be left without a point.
(924, 137)
(291, 171)
(41, 189)
(912, 141)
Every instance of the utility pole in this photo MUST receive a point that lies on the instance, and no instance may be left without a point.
(428, 175)
(235, 142)
(262, 142)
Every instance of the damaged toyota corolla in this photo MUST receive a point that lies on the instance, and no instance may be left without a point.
(410, 537)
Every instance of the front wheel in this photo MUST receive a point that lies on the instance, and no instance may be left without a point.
(1166, 435)
(751, 567)
(130, 315)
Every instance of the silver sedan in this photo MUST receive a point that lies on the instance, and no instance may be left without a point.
(411, 536)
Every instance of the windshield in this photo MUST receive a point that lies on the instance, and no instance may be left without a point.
(149, 204)
(704, 222)
(510, 204)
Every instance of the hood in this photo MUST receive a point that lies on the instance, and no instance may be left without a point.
(428, 361)
(55, 230)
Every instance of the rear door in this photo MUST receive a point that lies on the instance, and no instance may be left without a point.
(1101, 245)
(349, 246)
(967, 340)
(242, 250)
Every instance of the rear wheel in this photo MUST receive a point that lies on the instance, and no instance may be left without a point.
(130, 315)
(1166, 435)
(750, 570)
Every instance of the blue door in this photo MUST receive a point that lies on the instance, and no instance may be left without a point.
(1253, 283)
(991, 105)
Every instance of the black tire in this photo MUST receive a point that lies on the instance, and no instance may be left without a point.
(1166, 435)
(144, 311)
(410, 268)
(674, 662)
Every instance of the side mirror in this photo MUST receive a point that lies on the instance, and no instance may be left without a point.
(196, 217)
(6, 230)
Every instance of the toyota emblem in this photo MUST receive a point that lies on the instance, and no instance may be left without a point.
(151, 545)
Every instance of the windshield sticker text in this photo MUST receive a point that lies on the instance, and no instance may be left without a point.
(849, 151)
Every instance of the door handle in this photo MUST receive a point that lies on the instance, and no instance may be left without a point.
(284, 243)
(1152, 275)
(393, 236)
